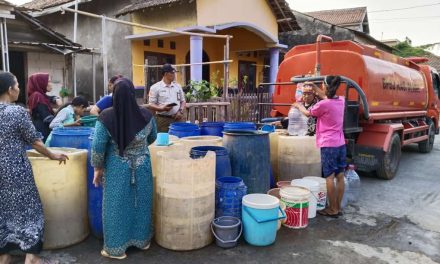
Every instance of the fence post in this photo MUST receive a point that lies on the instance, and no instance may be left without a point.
(146, 90)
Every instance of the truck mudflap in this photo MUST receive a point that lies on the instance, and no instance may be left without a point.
(367, 159)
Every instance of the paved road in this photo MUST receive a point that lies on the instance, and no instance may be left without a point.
(395, 221)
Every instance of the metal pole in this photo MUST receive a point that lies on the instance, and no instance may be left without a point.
(3, 46)
(146, 82)
(6, 44)
(104, 54)
(75, 23)
(94, 77)
(226, 70)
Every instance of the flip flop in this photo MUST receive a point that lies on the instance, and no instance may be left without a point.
(325, 213)
(107, 255)
(146, 247)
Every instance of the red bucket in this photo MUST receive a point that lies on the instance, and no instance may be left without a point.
(296, 200)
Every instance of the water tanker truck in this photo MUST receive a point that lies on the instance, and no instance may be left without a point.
(391, 102)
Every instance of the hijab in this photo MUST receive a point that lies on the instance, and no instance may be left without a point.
(37, 89)
(125, 119)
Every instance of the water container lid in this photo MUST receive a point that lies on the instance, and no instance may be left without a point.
(260, 201)
(309, 184)
(295, 192)
(316, 178)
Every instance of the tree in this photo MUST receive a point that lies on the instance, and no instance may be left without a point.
(404, 49)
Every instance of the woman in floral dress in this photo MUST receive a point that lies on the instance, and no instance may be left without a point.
(120, 155)
(21, 212)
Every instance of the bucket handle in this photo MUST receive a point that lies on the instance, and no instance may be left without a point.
(266, 220)
(227, 241)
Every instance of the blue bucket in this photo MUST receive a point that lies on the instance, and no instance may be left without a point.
(212, 129)
(260, 218)
(181, 129)
(229, 192)
(240, 126)
(222, 161)
(268, 128)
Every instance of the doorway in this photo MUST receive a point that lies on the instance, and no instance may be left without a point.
(246, 76)
(156, 58)
(17, 67)
(205, 68)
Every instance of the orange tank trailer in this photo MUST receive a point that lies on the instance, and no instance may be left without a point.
(401, 96)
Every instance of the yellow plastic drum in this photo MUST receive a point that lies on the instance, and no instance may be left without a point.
(63, 192)
(196, 141)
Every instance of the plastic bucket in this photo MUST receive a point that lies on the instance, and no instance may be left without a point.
(283, 183)
(313, 187)
(181, 129)
(260, 218)
(276, 193)
(239, 126)
(322, 194)
(229, 192)
(296, 200)
(226, 230)
(212, 129)
(268, 128)
(222, 161)
(88, 121)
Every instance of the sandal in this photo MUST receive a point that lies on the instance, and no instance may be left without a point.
(107, 255)
(146, 247)
(325, 213)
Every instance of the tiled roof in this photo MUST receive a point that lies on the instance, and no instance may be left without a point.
(434, 61)
(341, 17)
(42, 4)
(2, 2)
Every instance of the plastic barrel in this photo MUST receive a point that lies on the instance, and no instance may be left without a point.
(222, 164)
(212, 128)
(71, 137)
(94, 198)
(181, 129)
(229, 192)
(250, 158)
(239, 126)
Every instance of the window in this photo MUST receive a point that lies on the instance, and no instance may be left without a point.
(146, 42)
(160, 43)
(172, 45)
(436, 84)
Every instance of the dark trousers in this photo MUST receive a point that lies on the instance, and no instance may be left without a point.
(164, 122)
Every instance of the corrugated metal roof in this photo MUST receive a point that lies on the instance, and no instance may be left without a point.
(434, 61)
(340, 17)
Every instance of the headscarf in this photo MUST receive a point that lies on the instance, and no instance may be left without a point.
(37, 89)
(125, 119)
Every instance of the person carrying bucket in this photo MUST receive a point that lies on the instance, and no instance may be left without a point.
(330, 139)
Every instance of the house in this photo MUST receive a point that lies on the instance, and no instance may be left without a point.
(253, 24)
(312, 26)
(89, 35)
(32, 47)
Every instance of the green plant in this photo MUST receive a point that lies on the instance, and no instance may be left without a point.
(201, 91)
(64, 92)
(404, 49)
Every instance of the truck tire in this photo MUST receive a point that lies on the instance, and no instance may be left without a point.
(427, 145)
(390, 163)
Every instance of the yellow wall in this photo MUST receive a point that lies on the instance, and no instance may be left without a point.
(176, 16)
(217, 12)
(243, 41)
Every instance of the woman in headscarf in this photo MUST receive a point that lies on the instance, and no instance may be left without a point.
(39, 103)
(21, 212)
(122, 164)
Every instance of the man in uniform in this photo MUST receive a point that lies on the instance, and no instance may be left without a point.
(167, 99)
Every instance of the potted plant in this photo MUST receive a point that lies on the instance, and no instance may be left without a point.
(64, 92)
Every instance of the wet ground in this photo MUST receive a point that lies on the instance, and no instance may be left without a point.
(395, 221)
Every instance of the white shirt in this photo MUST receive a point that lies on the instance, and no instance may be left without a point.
(163, 94)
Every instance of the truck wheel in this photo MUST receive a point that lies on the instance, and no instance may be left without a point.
(427, 145)
(390, 162)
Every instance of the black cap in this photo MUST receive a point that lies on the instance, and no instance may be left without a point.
(168, 68)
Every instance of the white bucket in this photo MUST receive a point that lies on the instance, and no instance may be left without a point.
(313, 187)
(296, 200)
(322, 195)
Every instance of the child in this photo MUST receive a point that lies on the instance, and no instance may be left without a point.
(67, 115)
(330, 138)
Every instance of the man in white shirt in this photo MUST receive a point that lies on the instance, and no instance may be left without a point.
(167, 99)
